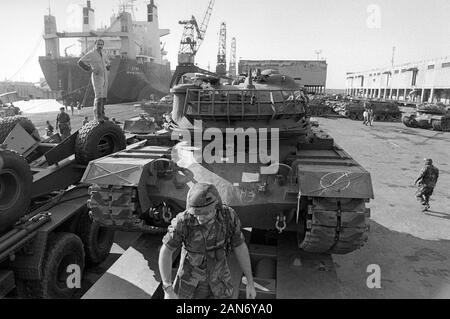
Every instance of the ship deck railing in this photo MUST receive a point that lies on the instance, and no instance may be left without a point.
(233, 105)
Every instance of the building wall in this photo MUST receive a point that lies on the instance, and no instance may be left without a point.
(309, 74)
(27, 90)
(424, 81)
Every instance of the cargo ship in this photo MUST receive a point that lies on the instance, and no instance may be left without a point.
(139, 70)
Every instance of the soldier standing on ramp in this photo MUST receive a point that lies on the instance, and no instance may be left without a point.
(97, 62)
(63, 123)
(207, 232)
(427, 182)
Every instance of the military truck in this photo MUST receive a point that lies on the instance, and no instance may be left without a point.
(45, 226)
(429, 116)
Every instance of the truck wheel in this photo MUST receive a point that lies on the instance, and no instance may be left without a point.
(63, 250)
(353, 116)
(96, 140)
(97, 240)
(16, 182)
(7, 124)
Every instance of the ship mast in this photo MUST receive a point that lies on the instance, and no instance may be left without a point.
(128, 6)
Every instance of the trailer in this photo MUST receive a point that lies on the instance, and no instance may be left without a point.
(47, 236)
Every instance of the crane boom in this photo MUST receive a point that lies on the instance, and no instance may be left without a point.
(205, 23)
(192, 39)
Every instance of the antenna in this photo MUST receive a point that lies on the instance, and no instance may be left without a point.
(49, 8)
(318, 53)
(393, 55)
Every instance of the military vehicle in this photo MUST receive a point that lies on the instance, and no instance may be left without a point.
(45, 225)
(429, 116)
(221, 134)
(384, 111)
(320, 105)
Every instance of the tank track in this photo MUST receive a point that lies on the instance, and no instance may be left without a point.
(336, 227)
(112, 206)
(115, 207)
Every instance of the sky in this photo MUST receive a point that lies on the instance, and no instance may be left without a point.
(353, 35)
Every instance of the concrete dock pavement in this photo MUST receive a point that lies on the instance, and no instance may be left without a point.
(411, 249)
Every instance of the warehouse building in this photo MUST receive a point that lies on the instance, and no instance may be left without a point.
(424, 81)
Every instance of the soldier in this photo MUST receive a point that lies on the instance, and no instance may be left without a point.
(63, 123)
(97, 62)
(427, 182)
(85, 121)
(207, 232)
(49, 129)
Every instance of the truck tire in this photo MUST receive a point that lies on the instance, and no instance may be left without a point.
(97, 240)
(63, 250)
(7, 124)
(96, 140)
(16, 182)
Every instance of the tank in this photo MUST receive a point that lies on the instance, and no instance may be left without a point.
(429, 116)
(253, 141)
(384, 111)
(321, 105)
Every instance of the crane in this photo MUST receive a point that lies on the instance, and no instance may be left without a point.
(233, 67)
(221, 68)
(192, 39)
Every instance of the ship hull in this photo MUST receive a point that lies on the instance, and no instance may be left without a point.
(129, 81)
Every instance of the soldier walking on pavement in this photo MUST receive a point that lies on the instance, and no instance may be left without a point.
(97, 62)
(207, 232)
(63, 123)
(427, 182)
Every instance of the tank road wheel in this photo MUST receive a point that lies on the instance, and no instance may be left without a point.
(7, 124)
(96, 140)
(16, 182)
(63, 250)
(407, 121)
(337, 227)
(97, 240)
(445, 123)
(437, 125)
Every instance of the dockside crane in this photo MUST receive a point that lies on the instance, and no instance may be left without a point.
(221, 67)
(232, 72)
(192, 39)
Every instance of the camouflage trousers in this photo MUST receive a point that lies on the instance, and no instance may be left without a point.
(423, 194)
(64, 129)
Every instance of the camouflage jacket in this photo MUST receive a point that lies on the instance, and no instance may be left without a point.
(204, 252)
(63, 118)
(429, 176)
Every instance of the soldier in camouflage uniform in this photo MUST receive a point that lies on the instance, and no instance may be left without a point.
(427, 182)
(63, 124)
(207, 232)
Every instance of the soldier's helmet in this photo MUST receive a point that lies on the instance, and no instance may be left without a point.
(428, 161)
(203, 198)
